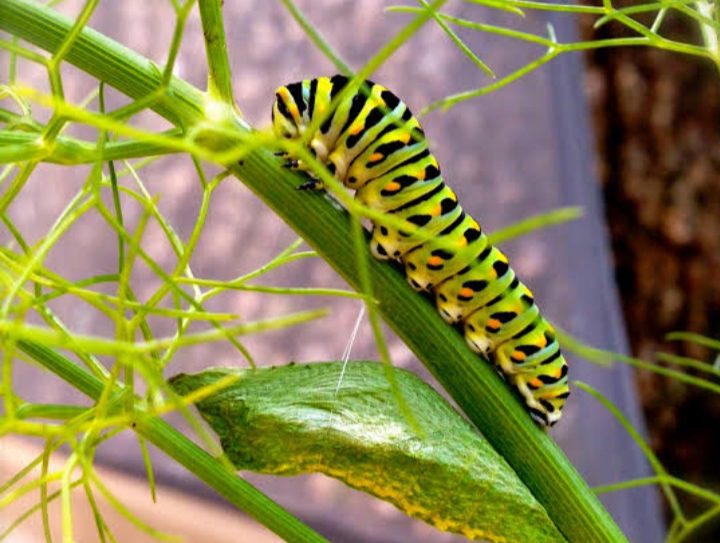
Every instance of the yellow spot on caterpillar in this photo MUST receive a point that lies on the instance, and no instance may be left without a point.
(434, 261)
(461, 242)
(356, 129)
(536, 383)
(436, 210)
(420, 174)
(393, 186)
(405, 138)
(466, 292)
(557, 373)
(493, 323)
(376, 156)
(294, 111)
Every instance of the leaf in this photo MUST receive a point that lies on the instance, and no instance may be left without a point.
(294, 419)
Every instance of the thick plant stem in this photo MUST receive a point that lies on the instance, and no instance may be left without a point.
(471, 382)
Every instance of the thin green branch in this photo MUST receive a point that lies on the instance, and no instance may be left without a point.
(219, 72)
(457, 41)
(196, 460)
(320, 42)
(644, 447)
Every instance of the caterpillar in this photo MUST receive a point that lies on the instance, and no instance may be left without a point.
(373, 144)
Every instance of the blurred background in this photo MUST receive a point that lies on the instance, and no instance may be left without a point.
(629, 135)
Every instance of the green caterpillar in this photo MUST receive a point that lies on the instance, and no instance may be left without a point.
(375, 146)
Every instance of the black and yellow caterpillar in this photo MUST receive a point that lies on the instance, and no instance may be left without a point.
(373, 144)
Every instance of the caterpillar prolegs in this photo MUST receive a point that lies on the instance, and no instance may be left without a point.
(375, 146)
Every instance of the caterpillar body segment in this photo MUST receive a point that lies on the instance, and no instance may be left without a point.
(374, 145)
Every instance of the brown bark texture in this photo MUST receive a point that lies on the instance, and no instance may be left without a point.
(657, 118)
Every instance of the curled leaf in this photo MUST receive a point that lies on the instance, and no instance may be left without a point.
(295, 419)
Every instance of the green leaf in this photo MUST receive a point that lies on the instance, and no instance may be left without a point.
(305, 418)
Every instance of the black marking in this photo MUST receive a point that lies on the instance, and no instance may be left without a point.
(472, 234)
(442, 253)
(412, 160)
(405, 181)
(419, 220)
(282, 107)
(356, 106)
(384, 231)
(415, 284)
(496, 299)
(547, 405)
(415, 201)
(372, 118)
(386, 149)
(391, 101)
(457, 222)
(411, 266)
(500, 268)
(338, 83)
(485, 253)
(465, 270)
(477, 286)
(311, 97)
(538, 414)
(527, 350)
(407, 114)
(550, 379)
(436, 267)
(447, 205)
(563, 395)
(529, 328)
(504, 316)
(442, 297)
(550, 359)
(295, 90)
(431, 172)
(386, 130)
(514, 284)
(529, 300)
(325, 126)
(379, 249)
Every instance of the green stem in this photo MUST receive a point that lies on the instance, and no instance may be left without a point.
(219, 74)
(472, 383)
(166, 438)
